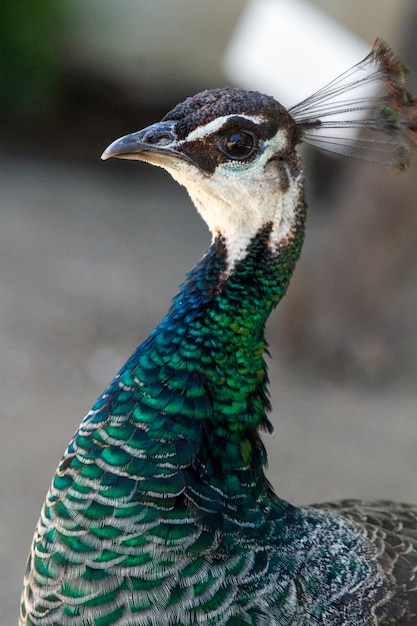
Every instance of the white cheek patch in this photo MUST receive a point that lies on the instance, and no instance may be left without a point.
(238, 199)
(284, 219)
(277, 144)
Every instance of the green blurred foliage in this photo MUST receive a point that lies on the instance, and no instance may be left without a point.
(31, 54)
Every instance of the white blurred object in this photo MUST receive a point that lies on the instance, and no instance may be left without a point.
(289, 49)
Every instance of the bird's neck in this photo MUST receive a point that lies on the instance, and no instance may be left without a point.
(220, 315)
(195, 392)
(213, 336)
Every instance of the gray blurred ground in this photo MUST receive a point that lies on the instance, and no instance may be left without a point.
(90, 257)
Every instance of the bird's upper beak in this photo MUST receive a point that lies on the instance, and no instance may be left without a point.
(156, 144)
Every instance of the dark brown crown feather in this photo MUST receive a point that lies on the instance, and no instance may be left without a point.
(211, 104)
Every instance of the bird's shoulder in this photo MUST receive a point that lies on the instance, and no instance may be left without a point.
(391, 530)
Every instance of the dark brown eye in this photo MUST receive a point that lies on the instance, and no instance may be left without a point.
(238, 145)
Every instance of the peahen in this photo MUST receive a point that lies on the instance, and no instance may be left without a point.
(160, 513)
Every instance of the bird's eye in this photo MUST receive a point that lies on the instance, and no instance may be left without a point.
(238, 145)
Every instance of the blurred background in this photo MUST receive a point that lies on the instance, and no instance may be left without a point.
(91, 254)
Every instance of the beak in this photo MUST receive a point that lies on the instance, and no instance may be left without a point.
(156, 144)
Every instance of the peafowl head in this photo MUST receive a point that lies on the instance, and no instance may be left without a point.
(235, 151)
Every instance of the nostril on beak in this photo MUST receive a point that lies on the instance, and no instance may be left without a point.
(158, 138)
(160, 134)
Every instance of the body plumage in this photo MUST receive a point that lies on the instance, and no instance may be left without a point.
(160, 512)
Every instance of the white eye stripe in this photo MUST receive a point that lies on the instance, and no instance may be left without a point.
(218, 123)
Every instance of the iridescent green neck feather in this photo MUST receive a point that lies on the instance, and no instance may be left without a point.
(198, 383)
